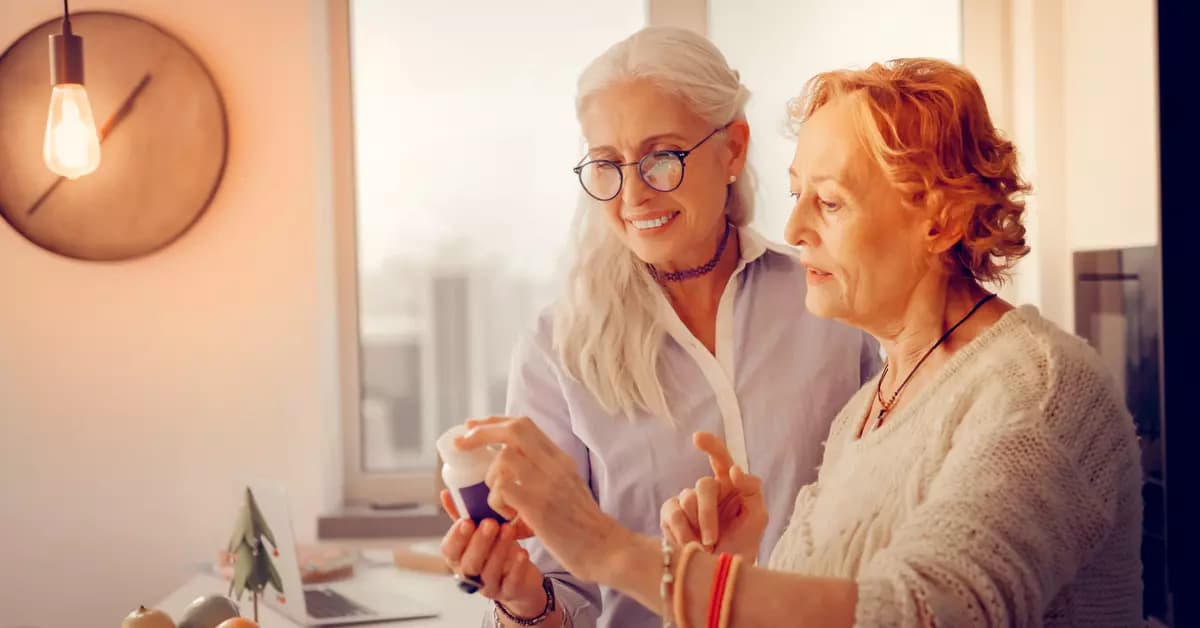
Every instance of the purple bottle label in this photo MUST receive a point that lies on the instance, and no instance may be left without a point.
(475, 498)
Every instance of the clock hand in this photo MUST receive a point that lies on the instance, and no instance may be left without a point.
(109, 125)
(125, 107)
(41, 199)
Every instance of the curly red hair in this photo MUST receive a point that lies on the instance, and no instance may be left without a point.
(926, 124)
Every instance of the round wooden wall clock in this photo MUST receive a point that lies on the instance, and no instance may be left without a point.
(163, 141)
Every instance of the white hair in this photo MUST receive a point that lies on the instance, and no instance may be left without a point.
(606, 329)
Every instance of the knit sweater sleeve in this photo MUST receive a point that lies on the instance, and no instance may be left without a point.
(795, 542)
(1023, 499)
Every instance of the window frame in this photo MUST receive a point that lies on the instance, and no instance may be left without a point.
(361, 487)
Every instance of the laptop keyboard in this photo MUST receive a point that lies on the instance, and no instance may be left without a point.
(327, 604)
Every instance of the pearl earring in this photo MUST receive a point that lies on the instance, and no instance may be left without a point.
(732, 178)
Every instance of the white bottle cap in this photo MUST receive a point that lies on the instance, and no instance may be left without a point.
(452, 455)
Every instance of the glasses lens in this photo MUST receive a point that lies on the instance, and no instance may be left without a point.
(601, 179)
(662, 171)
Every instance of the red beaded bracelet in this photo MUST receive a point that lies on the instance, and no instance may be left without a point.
(726, 614)
(720, 577)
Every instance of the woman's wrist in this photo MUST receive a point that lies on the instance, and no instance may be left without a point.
(528, 606)
(748, 554)
(526, 611)
(633, 564)
(592, 552)
(607, 552)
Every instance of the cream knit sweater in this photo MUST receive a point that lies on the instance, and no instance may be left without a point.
(1006, 493)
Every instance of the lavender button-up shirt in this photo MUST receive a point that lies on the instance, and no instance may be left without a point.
(778, 378)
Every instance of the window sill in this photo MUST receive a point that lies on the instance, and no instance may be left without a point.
(364, 522)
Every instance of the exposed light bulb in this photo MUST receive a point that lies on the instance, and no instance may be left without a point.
(72, 146)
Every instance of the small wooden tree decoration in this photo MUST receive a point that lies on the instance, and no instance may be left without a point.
(253, 569)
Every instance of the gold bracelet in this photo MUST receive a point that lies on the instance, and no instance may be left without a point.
(727, 599)
(680, 574)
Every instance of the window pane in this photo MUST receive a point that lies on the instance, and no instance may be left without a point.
(777, 46)
(465, 136)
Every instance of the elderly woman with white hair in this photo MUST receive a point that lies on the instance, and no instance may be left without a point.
(988, 476)
(677, 317)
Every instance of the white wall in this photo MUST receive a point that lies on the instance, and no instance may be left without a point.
(777, 46)
(1111, 98)
(1038, 122)
(133, 395)
(689, 14)
(1076, 85)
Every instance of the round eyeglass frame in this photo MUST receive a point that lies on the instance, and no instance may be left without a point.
(681, 155)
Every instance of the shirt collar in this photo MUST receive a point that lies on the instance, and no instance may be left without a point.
(753, 246)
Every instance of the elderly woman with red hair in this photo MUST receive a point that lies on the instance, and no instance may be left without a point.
(987, 477)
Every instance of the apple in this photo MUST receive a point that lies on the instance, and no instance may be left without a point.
(207, 611)
(237, 622)
(147, 618)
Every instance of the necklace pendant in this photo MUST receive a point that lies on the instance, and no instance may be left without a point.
(879, 418)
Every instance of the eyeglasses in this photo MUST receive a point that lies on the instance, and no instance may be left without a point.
(662, 170)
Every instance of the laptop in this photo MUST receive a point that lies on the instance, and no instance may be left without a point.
(356, 600)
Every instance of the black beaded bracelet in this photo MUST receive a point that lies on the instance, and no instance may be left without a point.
(548, 587)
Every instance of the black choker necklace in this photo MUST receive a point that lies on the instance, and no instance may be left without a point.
(699, 271)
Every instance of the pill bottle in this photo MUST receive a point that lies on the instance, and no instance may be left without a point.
(463, 471)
